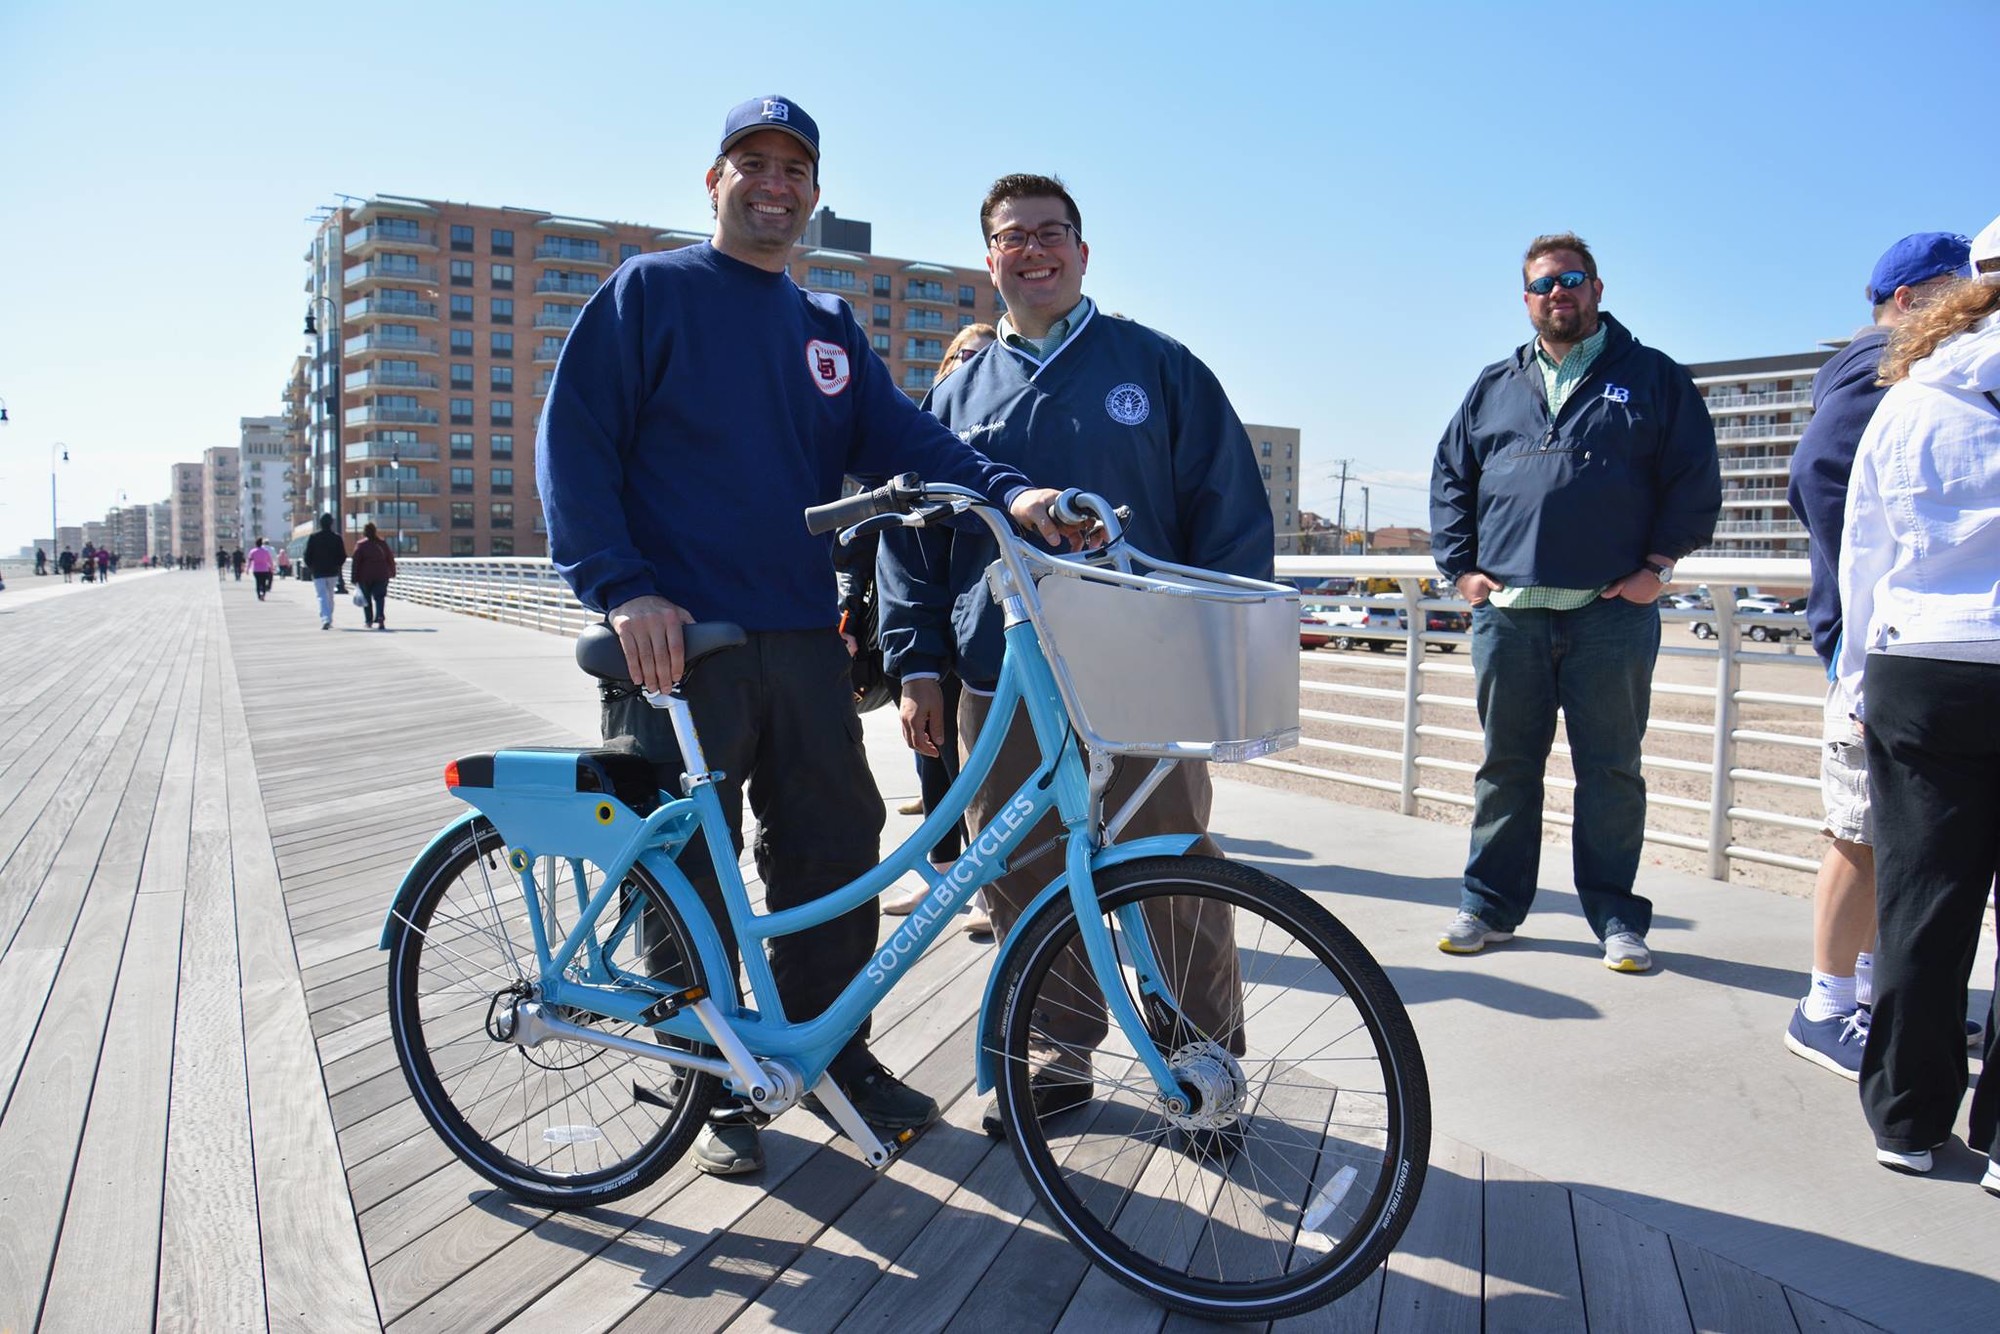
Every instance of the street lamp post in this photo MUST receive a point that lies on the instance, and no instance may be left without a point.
(329, 402)
(396, 471)
(55, 532)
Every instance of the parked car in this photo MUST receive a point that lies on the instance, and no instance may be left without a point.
(1761, 602)
(1763, 626)
(1344, 620)
(1687, 602)
(1313, 632)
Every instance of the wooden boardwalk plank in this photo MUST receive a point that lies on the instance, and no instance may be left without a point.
(1434, 1277)
(1533, 1283)
(1630, 1281)
(1725, 1298)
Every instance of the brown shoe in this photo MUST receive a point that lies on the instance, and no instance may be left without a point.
(914, 806)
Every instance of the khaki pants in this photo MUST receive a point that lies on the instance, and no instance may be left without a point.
(1195, 938)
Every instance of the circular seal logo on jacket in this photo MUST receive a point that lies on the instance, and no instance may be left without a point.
(828, 364)
(1127, 404)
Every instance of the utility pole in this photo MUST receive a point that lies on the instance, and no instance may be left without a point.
(1340, 517)
(1364, 520)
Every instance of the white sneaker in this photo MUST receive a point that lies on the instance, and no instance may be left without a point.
(1914, 1163)
(1626, 952)
(901, 903)
(1990, 1183)
(1468, 933)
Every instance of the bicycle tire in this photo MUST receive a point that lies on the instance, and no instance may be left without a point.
(1331, 1158)
(565, 1124)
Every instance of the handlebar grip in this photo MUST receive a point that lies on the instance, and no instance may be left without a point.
(1075, 505)
(895, 498)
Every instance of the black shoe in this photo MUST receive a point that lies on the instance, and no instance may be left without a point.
(728, 1148)
(1050, 1095)
(883, 1101)
(1210, 1146)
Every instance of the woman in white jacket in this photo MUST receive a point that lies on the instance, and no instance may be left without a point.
(1920, 658)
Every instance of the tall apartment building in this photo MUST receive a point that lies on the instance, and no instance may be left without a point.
(1760, 406)
(125, 530)
(437, 327)
(160, 530)
(266, 503)
(186, 526)
(221, 497)
(1277, 450)
(301, 518)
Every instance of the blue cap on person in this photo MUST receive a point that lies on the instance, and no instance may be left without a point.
(1917, 258)
(771, 113)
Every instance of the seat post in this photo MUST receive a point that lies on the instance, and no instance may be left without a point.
(694, 765)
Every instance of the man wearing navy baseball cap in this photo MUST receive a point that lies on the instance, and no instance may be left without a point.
(702, 402)
(1829, 1026)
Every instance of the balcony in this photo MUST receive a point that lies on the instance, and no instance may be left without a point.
(1754, 495)
(389, 523)
(542, 383)
(1761, 528)
(371, 415)
(383, 343)
(389, 306)
(377, 451)
(1755, 465)
(930, 295)
(554, 284)
(1773, 431)
(376, 378)
(547, 351)
(1769, 399)
(380, 271)
(562, 250)
(555, 319)
(365, 241)
(386, 486)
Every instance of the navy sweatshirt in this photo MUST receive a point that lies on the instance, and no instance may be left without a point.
(1119, 410)
(1844, 396)
(1627, 468)
(699, 406)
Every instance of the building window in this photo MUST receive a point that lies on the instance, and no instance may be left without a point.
(501, 514)
(461, 342)
(1264, 470)
(881, 316)
(461, 271)
(461, 546)
(461, 481)
(500, 379)
(967, 295)
(461, 412)
(816, 276)
(461, 512)
(503, 412)
(503, 242)
(965, 321)
(503, 546)
(882, 284)
(1264, 448)
(461, 444)
(549, 348)
(461, 237)
(503, 446)
(500, 344)
(503, 276)
(461, 375)
(923, 289)
(626, 251)
(461, 307)
(880, 342)
(503, 482)
(503, 310)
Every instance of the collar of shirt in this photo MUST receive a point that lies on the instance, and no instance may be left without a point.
(1559, 379)
(1039, 348)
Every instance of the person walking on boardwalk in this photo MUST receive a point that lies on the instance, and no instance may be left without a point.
(67, 564)
(222, 562)
(701, 403)
(1829, 1026)
(262, 565)
(1574, 475)
(284, 562)
(1128, 413)
(374, 567)
(325, 555)
(236, 563)
(41, 561)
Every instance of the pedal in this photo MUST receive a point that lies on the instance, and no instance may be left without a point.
(874, 1151)
(666, 1007)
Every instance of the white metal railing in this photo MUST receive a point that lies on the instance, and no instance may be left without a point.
(525, 590)
(1725, 772)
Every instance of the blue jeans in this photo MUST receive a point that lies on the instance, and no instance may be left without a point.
(1596, 664)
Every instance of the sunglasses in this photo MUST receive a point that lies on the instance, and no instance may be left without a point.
(1547, 283)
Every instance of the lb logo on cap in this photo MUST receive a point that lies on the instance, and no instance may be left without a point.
(828, 364)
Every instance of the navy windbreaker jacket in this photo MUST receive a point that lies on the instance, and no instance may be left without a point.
(1628, 467)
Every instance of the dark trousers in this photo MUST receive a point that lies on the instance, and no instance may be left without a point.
(263, 580)
(1596, 665)
(936, 774)
(1933, 739)
(374, 593)
(777, 718)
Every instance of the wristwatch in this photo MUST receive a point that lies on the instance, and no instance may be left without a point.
(1664, 569)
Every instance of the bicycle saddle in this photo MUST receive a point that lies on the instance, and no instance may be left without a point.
(598, 651)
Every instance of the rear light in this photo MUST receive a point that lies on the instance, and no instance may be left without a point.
(451, 774)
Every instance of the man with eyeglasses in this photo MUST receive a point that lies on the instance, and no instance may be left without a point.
(702, 402)
(1574, 475)
(1126, 412)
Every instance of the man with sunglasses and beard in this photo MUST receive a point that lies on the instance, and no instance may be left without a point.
(1574, 475)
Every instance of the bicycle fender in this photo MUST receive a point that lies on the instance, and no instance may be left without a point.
(400, 905)
(1162, 845)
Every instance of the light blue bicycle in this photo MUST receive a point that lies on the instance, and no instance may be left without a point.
(1258, 1126)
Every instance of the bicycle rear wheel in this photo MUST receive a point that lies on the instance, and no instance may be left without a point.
(566, 1123)
(1297, 1169)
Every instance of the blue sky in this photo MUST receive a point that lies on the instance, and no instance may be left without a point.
(1326, 202)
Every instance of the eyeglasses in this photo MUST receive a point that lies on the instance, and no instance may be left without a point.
(1548, 282)
(1050, 235)
(968, 353)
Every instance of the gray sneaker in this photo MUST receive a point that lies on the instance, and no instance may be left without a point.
(1626, 952)
(728, 1149)
(1468, 933)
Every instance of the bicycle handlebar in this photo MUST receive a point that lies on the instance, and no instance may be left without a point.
(895, 498)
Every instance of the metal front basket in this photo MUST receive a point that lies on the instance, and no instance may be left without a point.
(1180, 662)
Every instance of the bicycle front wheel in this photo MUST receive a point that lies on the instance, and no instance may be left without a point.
(565, 1124)
(1298, 1163)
